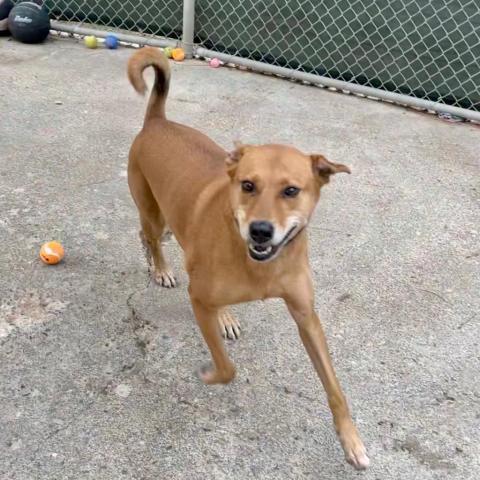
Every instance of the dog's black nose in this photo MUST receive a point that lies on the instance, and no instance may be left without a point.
(261, 231)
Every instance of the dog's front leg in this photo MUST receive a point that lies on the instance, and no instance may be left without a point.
(223, 370)
(300, 305)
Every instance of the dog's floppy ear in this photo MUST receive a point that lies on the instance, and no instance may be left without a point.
(236, 154)
(234, 157)
(324, 168)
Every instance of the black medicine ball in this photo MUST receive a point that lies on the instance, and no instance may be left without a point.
(5, 7)
(28, 22)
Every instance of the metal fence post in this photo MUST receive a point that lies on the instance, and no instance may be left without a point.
(188, 27)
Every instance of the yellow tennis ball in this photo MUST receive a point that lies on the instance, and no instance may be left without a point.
(51, 253)
(91, 41)
(168, 52)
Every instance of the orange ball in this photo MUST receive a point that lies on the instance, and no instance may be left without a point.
(51, 253)
(178, 54)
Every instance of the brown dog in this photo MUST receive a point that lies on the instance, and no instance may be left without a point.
(240, 219)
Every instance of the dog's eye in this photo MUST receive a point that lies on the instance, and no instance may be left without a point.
(291, 192)
(248, 187)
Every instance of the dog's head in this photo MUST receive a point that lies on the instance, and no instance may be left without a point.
(274, 190)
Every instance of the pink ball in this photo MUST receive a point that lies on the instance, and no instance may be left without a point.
(214, 63)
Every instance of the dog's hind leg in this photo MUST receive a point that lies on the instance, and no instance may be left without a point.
(229, 324)
(162, 273)
(153, 228)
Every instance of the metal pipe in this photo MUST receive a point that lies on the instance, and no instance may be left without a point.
(341, 85)
(188, 27)
(122, 37)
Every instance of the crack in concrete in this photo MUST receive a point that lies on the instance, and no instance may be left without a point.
(140, 327)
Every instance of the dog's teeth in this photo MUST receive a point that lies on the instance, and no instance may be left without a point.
(261, 253)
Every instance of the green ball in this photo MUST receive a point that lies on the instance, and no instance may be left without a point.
(168, 52)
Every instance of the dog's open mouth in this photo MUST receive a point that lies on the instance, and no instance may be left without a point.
(263, 253)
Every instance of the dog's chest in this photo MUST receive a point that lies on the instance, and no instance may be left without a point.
(230, 286)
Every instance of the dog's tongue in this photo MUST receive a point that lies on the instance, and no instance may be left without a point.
(260, 248)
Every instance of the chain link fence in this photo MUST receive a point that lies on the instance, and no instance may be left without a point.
(425, 49)
(428, 49)
(149, 17)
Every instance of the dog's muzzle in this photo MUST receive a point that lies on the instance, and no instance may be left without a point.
(262, 252)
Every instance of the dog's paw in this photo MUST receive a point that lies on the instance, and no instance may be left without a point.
(211, 376)
(229, 325)
(355, 452)
(165, 278)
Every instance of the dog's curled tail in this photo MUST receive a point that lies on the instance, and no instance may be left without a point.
(139, 61)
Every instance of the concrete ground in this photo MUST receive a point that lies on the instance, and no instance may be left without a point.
(97, 366)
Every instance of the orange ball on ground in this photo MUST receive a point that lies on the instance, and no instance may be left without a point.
(178, 54)
(51, 253)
